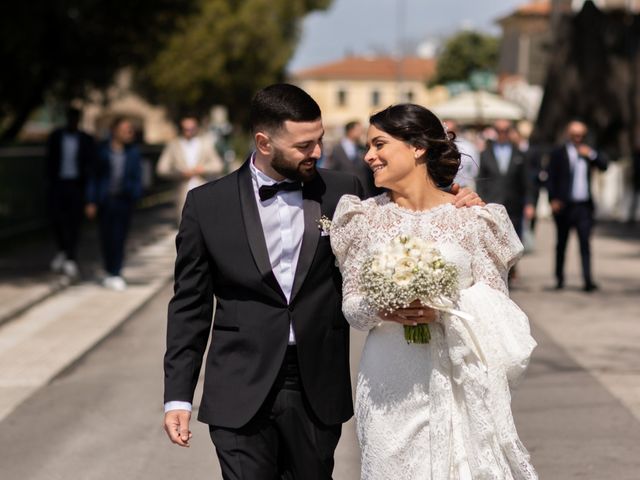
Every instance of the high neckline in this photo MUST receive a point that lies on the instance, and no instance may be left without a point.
(388, 201)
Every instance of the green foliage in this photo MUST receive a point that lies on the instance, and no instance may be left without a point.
(60, 48)
(224, 52)
(465, 53)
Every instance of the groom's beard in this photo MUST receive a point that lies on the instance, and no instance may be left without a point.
(303, 171)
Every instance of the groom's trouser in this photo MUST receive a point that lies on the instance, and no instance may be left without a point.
(284, 440)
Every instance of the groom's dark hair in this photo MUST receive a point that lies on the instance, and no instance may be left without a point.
(275, 104)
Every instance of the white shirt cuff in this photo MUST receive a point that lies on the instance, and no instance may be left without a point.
(176, 405)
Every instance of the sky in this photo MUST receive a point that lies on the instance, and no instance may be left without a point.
(370, 26)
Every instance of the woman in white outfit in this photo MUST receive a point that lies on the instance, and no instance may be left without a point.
(439, 410)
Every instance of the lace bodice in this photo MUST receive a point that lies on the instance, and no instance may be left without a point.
(438, 411)
(480, 241)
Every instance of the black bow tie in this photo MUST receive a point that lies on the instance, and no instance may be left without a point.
(269, 191)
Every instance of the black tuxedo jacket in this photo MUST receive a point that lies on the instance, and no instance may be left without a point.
(560, 180)
(513, 189)
(86, 156)
(222, 253)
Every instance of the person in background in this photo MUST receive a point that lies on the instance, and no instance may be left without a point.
(504, 178)
(348, 156)
(569, 187)
(190, 159)
(112, 191)
(469, 158)
(69, 157)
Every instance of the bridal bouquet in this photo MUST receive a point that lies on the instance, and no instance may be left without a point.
(405, 270)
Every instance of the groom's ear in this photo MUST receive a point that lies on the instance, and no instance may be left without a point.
(263, 143)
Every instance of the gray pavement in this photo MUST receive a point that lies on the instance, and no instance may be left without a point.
(52, 328)
(577, 409)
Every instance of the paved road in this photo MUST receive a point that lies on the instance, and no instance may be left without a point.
(101, 419)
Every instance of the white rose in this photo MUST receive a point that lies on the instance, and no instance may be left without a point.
(403, 274)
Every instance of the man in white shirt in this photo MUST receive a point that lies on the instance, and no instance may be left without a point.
(69, 159)
(348, 156)
(190, 159)
(569, 187)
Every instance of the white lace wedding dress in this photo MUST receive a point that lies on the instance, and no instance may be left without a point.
(440, 410)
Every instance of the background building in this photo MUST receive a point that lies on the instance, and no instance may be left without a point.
(355, 87)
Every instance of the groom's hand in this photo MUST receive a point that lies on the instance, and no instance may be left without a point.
(176, 424)
(465, 197)
(412, 315)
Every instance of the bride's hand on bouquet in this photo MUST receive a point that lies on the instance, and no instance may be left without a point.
(414, 314)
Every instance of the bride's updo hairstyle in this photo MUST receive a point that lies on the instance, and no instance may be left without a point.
(419, 127)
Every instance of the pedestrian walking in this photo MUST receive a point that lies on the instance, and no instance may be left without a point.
(113, 189)
(69, 158)
(569, 186)
(190, 160)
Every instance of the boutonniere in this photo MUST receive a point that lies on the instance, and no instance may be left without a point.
(324, 225)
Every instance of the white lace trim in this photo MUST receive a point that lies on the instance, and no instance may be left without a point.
(442, 410)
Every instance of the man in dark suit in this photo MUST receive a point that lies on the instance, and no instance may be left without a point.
(69, 158)
(504, 177)
(348, 156)
(277, 380)
(569, 186)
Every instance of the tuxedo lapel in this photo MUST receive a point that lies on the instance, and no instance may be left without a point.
(253, 228)
(311, 197)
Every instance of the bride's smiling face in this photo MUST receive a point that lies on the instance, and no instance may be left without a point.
(390, 159)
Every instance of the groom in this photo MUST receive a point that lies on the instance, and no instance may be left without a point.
(277, 383)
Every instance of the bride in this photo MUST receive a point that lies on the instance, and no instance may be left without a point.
(439, 410)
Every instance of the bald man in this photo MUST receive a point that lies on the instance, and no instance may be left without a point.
(569, 187)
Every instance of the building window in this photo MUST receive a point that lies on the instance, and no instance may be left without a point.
(375, 98)
(408, 96)
(342, 97)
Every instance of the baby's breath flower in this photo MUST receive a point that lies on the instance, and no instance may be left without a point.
(324, 224)
(405, 270)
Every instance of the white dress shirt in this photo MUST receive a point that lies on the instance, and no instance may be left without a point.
(68, 162)
(580, 175)
(282, 219)
(469, 163)
(350, 148)
(502, 152)
(191, 149)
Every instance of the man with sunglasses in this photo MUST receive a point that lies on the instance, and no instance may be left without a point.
(569, 187)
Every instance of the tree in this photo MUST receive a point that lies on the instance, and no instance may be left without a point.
(224, 52)
(61, 48)
(465, 53)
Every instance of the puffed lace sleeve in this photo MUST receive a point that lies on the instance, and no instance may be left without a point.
(349, 246)
(497, 247)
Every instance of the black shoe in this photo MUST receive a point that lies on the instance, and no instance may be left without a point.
(590, 287)
(559, 286)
